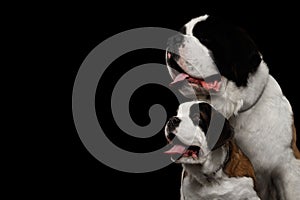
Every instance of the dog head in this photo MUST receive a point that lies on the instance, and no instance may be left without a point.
(207, 53)
(191, 135)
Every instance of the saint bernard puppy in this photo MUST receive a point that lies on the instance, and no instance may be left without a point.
(215, 61)
(211, 170)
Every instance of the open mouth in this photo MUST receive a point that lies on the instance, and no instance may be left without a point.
(211, 83)
(214, 84)
(191, 151)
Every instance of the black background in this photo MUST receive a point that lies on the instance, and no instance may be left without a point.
(78, 30)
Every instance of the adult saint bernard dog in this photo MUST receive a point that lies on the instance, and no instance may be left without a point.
(215, 61)
(211, 169)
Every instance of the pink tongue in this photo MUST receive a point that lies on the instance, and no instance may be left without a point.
(180, 77)
(207, 85)
(176, 149)
(213, 85)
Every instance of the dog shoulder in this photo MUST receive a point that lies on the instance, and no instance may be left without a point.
(238, 164)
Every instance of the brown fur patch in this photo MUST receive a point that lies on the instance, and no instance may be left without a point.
(294, 145)
(238, 164)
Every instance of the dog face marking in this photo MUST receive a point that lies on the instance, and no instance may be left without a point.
(188, 132)
(211, 51)
(262, 115)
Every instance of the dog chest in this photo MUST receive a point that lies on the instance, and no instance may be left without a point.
(224, 188)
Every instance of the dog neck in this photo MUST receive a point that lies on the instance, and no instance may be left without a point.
(256, 85)
(236, 99)
(227, 160)
(211, 169)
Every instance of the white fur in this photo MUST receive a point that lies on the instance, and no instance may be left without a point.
(264, 132)
(197, 62)
(231, 99)
(190, 134)
(220, 188)
(194, 59)
(195, 185)
(194, 62)
(190, 25)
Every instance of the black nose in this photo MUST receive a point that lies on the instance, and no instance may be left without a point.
(172, 124)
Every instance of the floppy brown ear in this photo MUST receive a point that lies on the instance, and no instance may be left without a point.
(217, 122)
(226, 135)
(215, 125)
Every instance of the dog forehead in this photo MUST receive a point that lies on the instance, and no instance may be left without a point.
(184, 108)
